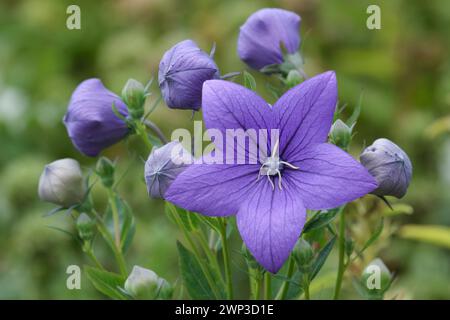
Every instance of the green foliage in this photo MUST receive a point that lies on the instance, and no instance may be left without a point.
(126, 221)
(193, 276)
(108, 283)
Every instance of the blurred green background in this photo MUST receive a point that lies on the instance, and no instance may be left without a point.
(402, 69)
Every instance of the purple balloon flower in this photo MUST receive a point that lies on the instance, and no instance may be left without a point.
(263, 32)
(182, 71)
(90, 120)
(303, 171)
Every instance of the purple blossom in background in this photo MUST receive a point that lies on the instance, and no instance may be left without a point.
(182, 71)
(303, 172)
(263, 32)
(90, 120)
(163, 165)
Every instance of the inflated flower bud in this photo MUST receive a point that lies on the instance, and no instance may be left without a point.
(303, 254)
(340, 134)
(105, 169)
(91, 121)
(85, 226)
(376, 279)
(261, 37)
(61, 183)
(163, 165)
(133, 94)
(182, 71)
(145, 284)
(390, 166)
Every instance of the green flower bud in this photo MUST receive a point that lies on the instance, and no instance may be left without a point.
(61, 183)
(133, 94)
(85, 226)
(376, 279)
(340, 134)
(303, 254)
(105, 169)
(293, 78)
(145, 284)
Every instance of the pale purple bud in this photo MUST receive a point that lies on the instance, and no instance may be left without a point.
(390, 166)
(163, 165)
(61, 183)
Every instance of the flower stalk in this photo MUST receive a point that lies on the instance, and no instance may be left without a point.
(226, 259)
(267, 286)
(341, 266)
(282, 293)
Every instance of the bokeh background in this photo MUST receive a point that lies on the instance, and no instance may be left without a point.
(403, 71)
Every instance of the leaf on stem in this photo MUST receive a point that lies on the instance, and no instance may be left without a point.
(321, 258)
(193, 277)
(320, 220)
(127, 223)
(108, 283)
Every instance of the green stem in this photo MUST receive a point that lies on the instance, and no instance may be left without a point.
(341, 267)
(254, 277)
(267, 286)
(206, 248)
(88, 250)
(156, 130)
(226, 259)
(115, 215)
(281, 295)
(117, 253)
(306, 286)
(140, 130)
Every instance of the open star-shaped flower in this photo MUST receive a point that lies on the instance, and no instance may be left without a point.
(303, 171)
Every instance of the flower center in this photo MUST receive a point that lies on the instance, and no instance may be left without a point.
(273, 165)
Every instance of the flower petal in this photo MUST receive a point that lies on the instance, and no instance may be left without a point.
(328, 177)
(228, 106)
(270, 222)
(304, 114)
(212, 189)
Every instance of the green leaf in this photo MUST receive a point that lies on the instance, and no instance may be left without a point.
(212, 222)
(108, 283)
(321, 258)
(356, 112)
(249, 81)
(432, 234)
(190, 220)
(126, 222)
(374, 236)
(320, 220)
(193, 276)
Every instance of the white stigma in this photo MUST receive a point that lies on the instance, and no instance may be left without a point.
(273, 165)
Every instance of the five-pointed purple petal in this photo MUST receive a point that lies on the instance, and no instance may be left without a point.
(270, 219)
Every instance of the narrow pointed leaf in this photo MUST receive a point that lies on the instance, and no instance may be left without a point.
(321, 258)
(108, 283)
